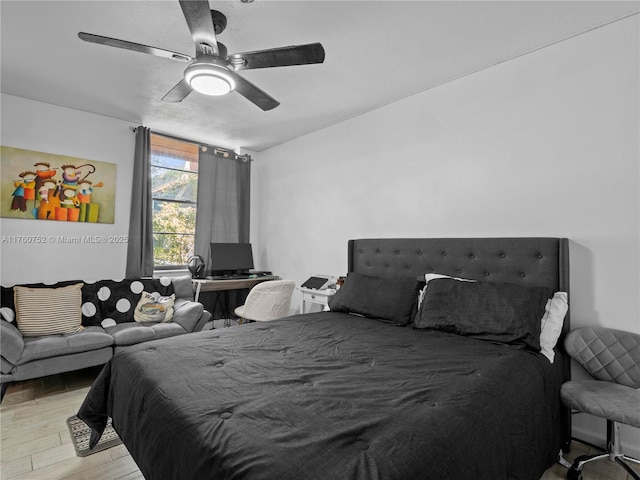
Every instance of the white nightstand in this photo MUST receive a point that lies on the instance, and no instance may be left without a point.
(321, 297)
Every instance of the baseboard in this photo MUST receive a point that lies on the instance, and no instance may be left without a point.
(600, 438)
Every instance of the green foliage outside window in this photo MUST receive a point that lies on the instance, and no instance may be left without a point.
(174, 210)
(173, 224)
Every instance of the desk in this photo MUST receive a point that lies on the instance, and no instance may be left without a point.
(224, 286)
(203, 285)
(311, 295)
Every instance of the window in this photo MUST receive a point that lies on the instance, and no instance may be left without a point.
(174, 183)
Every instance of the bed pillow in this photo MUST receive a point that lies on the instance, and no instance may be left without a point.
(48, 311)
(552, 321)
(499, 312)
(433, 276)
(152, 307)
(390, 299)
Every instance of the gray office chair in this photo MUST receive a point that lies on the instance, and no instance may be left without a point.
(612, 358)
(267, 301)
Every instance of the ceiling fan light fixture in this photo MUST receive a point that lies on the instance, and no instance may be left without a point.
(209, 79)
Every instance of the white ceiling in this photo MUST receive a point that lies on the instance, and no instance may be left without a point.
(376, 52)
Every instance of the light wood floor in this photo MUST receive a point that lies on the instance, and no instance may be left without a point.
(35, 441)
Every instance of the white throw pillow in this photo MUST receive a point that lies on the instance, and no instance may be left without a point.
(7, 314)
(552, 322)
(153, 307)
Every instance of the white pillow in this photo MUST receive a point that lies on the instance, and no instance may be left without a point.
(7, 314)
(552, 321)
(153, 307)
(432, 276)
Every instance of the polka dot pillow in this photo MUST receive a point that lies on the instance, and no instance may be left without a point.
(109, 302)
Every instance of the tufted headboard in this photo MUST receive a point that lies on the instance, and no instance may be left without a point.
(523, 261)
(527, 261)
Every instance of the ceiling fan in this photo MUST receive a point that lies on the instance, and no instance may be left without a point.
(213, 71)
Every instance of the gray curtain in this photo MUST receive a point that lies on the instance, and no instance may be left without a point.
(223, 201)
(140, 246)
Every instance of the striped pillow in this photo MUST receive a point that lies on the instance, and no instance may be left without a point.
(48, 311)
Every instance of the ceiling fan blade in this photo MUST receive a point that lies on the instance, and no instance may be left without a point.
(178, 93)
(136, 47)
(198, 16)
(254, 94)
(278, 57)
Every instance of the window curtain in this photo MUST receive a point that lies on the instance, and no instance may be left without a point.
(223, 201)
(140, 246)
(222, 216)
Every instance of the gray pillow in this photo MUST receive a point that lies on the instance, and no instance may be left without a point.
(391, 299)
(183, 287)
(497, 312)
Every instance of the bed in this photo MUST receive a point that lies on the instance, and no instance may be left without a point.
(369, 390)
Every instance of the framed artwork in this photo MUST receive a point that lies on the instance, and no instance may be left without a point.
(43, 186)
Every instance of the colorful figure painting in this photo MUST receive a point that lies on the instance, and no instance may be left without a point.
(42, 186)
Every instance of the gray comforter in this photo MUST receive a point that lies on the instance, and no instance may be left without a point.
(330, 396)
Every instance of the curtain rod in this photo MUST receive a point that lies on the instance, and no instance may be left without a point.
(203, 146)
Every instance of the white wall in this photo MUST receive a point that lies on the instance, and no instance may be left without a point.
(543, 145)
(47, 128)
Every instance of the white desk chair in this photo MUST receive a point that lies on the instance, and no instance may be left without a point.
(267, 301)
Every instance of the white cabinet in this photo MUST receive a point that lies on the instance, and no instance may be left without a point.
(320, 297)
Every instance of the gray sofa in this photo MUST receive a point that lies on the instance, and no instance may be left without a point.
(107, 329)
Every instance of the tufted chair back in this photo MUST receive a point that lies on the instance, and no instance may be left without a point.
(612, 358)
(608, 355)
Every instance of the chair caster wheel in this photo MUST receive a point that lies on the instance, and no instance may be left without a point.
(574, 474)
